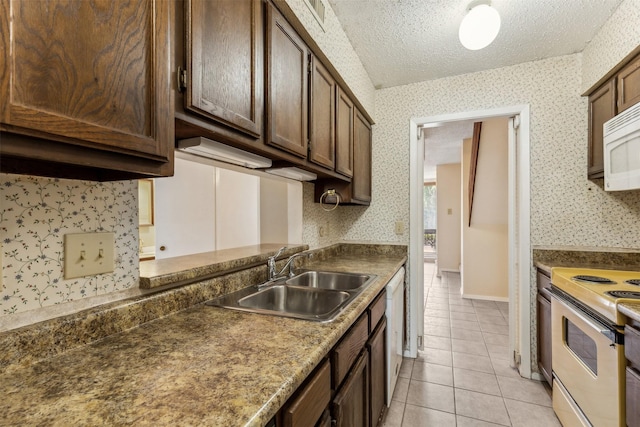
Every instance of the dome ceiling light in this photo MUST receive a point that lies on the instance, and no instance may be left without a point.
(480, 26)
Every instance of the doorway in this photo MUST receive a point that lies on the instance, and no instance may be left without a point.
(518, 230)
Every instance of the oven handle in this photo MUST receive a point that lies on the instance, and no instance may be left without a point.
(606, 330)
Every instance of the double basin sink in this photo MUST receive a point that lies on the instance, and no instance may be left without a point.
(311, 295)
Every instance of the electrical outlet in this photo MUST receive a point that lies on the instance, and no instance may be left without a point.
(88, 254)
(399, 227)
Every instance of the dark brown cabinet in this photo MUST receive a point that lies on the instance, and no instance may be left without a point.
(377, 373)
(344, 133)
(619, 92)
(544, 325)
(602, 107)
(361, 181)
(322, 116)
(287, 86)
(224, 57)
(86, 90)
(629, 85)
(350, 407)
(632, 353)
(309, 403)
(358, 191)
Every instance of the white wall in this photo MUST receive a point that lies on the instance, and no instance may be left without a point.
(185, 210)
(485, 242)
(280, 211)
(449, 195)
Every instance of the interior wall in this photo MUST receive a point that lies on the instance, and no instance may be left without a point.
(280, 211)
(615, 40)
(449, 217)
(185, 208)
(485, 254)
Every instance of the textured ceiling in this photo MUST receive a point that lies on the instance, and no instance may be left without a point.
(406, 41)
(443, 145)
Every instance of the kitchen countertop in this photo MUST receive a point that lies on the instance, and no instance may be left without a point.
(630, 309)
(201, 366)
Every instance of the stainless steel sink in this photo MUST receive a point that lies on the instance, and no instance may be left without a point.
(294, 300)
(329, 280)
(312, 295)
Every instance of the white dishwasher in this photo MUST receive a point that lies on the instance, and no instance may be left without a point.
(395, 321)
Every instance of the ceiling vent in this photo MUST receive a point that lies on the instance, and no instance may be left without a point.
(317, 9)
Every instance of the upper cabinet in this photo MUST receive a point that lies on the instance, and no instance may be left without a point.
(619, 91)
(86, 89)
(629, 85)
(361, 180)
(344, 133)
(287, 86)
(602, 107)
(322, 116)
(224, 57)
(358, 191)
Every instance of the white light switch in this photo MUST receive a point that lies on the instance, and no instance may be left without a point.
(88, 254)
(399, 227)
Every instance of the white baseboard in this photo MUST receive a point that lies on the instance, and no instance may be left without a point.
(486, 297)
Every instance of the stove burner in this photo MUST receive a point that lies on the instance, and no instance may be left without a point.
(593, 279)
(633, 282)
(624, 294)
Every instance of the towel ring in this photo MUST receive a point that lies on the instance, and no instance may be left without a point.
(332, 193)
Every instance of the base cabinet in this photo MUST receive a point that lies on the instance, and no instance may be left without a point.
(543, 306)
(350, 407)
(632, 354)
(348, 388)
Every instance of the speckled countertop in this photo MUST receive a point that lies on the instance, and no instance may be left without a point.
(630, 309)
(203, 366)
(545, 259)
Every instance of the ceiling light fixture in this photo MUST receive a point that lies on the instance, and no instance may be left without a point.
(480, 26)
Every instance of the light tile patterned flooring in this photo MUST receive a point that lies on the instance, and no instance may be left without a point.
(463, 378)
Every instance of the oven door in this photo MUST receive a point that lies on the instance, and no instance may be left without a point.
(589, 365)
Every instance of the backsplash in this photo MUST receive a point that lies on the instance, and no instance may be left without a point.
(36, 213)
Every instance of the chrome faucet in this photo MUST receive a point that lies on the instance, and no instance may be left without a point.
(271, 263)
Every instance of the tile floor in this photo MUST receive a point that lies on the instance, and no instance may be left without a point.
(463, 378)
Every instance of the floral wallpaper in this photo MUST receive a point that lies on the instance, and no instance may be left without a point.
(616, 39)
(36, 213)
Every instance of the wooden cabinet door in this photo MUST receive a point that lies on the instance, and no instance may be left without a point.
(344, 133)
(544, 336)
(377, 373)
(602, 107)
(322, 116)
(311, 402)
(225, 62)
(89, 74)
(287, 86)
(351, 405)
(629, 85)
(361, 180)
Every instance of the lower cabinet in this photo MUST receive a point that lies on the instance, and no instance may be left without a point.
(377, 373)
(543, 306)
(632, 353)
(348, 387)
(350, 407)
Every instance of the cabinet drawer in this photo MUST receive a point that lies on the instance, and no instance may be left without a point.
(311, 401)
(632, 344)
(543, 280)
(376, 310)
(633, 397)
(346, 352)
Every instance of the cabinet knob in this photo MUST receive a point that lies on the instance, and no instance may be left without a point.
(163, 248)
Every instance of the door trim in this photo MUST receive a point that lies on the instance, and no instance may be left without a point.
(519, 261)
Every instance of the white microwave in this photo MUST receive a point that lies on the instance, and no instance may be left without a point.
(622, 151)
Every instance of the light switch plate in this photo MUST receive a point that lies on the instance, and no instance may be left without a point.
(88, 254)
(399, 228)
